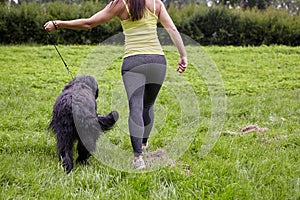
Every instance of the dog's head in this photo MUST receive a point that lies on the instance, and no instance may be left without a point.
(87, 81)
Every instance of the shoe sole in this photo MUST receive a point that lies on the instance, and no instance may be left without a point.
(141, 167)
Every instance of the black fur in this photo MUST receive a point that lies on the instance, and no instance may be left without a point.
(75, 117)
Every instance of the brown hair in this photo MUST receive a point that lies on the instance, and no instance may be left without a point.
(136, 9)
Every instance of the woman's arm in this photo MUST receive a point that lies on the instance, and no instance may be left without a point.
(170, 27)
(110, 11)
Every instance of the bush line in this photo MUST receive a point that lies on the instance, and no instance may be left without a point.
(23, 24)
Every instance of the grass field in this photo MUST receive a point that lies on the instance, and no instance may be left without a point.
(262, 86)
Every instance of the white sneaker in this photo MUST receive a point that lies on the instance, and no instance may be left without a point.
(139, 163)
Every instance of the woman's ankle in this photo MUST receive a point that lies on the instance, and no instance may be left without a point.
(137, 157)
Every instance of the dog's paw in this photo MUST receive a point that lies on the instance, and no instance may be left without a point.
(115, 115)
(82, 162)
(107, 122)
(68, 167)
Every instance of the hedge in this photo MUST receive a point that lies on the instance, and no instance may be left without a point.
(24, 23)
(222, 26)
(208, 26)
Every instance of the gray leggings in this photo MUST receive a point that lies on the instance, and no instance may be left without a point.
(143, 76)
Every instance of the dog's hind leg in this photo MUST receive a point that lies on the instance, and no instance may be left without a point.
(83, 153)
(64, 148)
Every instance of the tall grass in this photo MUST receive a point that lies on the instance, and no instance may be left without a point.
(262, 86)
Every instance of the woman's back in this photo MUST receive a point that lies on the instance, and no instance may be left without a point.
(141, 35)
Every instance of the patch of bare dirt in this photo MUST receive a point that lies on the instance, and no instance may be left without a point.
(247, 129)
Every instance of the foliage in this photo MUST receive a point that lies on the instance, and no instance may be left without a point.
(291, 6)
(24, 23)
(221, 26)
(216, 25)
(259, 4)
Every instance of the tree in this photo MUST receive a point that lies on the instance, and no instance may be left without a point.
(292, 5)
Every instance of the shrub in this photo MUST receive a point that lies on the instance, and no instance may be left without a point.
(24, 23)
(222, 26)
(208, 26)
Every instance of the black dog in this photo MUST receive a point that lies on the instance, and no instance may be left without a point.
(75, 117)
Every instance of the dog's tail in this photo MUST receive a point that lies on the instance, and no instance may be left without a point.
(108, 121)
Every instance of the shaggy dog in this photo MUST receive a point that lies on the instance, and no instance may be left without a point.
(75, 117)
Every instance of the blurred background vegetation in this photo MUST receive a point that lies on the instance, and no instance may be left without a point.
(218, 22)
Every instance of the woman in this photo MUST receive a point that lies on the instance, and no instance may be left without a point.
(144, 63)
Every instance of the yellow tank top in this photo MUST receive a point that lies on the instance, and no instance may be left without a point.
(141, 36)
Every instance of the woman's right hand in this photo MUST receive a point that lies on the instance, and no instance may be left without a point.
(50, 26)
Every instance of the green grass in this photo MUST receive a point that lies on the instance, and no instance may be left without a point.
(262, 86)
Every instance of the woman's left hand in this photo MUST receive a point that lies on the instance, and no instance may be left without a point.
(182, 65)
